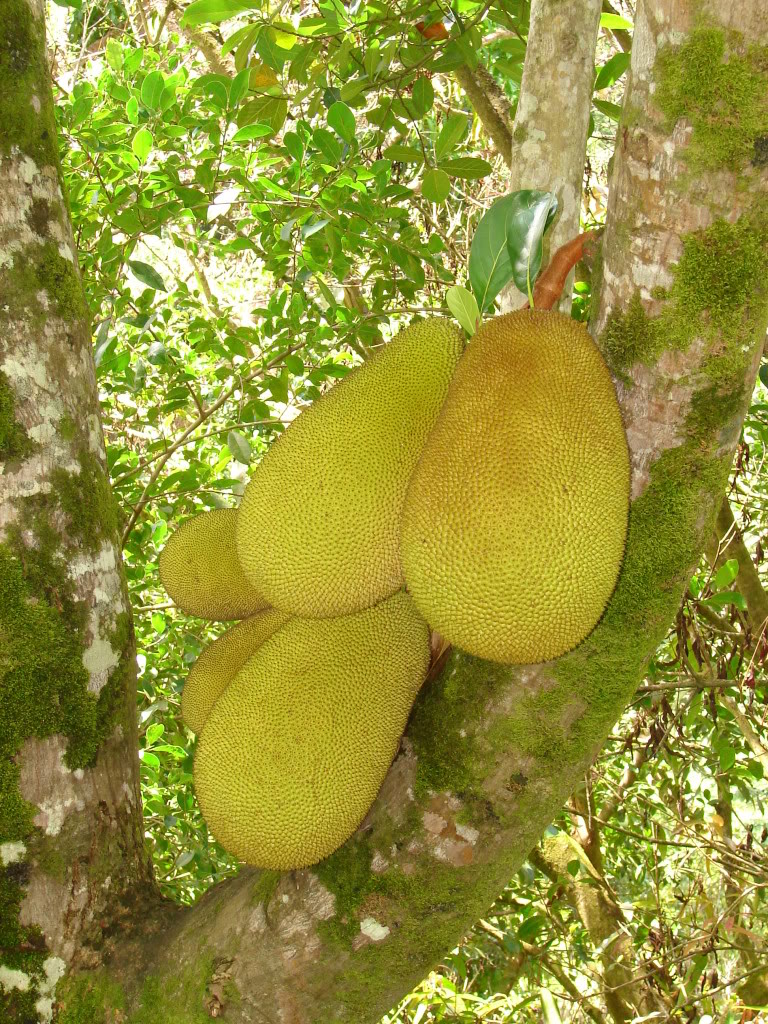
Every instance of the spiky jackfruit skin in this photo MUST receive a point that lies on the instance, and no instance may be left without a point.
(296, 748)
(200, 570)
(329, 493)
(515, 519)
(220, 662)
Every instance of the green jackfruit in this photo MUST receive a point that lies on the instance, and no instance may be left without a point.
(515, 519)
(221, 661)
(329, 493)
(296, 748)
(199, 569)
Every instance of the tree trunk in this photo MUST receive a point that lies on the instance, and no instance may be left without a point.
(71, 832)
(491, 752)
(550, 130)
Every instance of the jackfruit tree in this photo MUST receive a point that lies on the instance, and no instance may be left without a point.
(491, 751)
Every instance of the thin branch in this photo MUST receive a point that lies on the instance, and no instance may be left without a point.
(478, 86)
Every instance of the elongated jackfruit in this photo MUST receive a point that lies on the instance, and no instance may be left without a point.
(515, 519)
(329, 493)
(296, 748)
(199, 569)
(218, 664)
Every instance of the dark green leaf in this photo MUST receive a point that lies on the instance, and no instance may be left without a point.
(507, 244)
(466, 167)
(147, 275)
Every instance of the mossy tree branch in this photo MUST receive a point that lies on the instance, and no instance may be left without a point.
(491, 753)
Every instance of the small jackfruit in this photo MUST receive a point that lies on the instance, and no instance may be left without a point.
(296, 748)
(515, 519)
(329, 493)
(221, 661)
(199, 569)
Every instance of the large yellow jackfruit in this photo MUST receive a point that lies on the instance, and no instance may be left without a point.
(329, 493)
(221, 661)
(515, 519)
(296, 748)
(199, 569)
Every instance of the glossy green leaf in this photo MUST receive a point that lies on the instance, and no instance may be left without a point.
(612, 70)
(142, 143)
(328, 145)
(342, 120)
(435, 185)
(240, 86)
(251, 132)
(211, 12)
(463, 305)
(725, 575)
(152, 89)
(147, 275)
(507, 244)
(132, 110)
(451, 134)
(469, 167)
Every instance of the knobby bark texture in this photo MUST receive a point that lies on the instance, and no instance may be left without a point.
(549, 135)
(490, 753)
(70, 817)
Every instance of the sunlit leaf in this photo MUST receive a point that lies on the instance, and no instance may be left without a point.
(463, 305)
(435, 185)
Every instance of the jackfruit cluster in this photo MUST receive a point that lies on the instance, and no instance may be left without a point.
(483, 491)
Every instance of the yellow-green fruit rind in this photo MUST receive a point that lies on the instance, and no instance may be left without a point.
(329, 493)
(199, 569)
(296, 748)
(515, 520)
(221, 661)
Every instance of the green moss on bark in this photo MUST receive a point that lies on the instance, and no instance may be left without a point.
(14, 443)
(721, 270)
(43, 681)
(42, 269)
(26, 106)
(717, 84)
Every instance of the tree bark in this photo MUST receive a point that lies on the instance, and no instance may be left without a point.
(71, 831)
(550, 130)
(491, 752)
